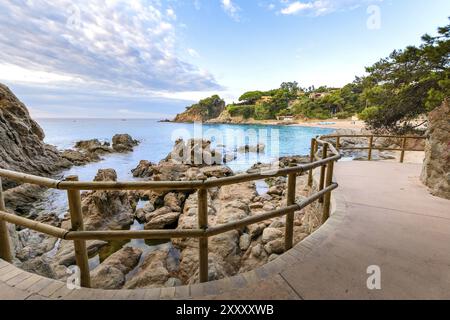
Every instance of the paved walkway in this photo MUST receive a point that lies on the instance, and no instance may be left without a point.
(382, 216)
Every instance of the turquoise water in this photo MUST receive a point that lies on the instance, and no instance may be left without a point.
(157, 140)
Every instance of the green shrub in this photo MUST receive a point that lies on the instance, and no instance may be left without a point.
(369, 113)
(244, 111)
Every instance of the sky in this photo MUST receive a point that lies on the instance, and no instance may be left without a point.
(152, 58)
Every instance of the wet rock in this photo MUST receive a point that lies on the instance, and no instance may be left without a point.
(123, 143)
(111, 273)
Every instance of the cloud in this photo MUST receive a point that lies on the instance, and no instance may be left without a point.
(320, 7)
(112, 45)
(193, 53)
(231, 9)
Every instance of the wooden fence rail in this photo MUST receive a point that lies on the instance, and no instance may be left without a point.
(403, 149)
(77, 234)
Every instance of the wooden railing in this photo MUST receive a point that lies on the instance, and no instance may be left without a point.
(370, 145)
(323, 158)
(203, 232)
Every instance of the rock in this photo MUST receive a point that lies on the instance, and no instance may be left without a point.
(276, 190)
(142, 212)
(143, 170)
(277, 224)
(110, 274)
(244, 242)
(93, 146)
(123, 143)
(270, 234)
(204, 110)
(153, 272)
(21, 199)
(194, 152)
(79, 158)
(66, 253)
(161, 218)
(275, 246)
(39, 266)
(256, 205)
(106, 210)
(22, 146)
(106, 175)
(255, 230)
(34, 244)
(257, 250)
(172, 201)
(259, 148)
(436, 167)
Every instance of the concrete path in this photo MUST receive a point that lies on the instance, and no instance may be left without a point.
(383, 216)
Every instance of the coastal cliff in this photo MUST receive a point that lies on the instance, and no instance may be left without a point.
(204, 110)
(22, 145)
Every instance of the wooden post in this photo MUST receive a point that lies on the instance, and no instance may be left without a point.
(5, 247)
(327, 198)
(369, 157)
(338, 143)
(203, 242)
(402, 156)
(76, 218)
(312, 155)
(322, 169)
(289, 234)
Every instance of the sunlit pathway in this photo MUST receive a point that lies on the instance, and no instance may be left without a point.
(383, 217)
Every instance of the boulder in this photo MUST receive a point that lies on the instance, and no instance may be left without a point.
(123, 143)
(270, 234)
(161, 218)
(106, 210)
(259, 148)
(436, 167)
(143, 170)
(111, 273)
(93, 147)
(156, 269)
(66, 253)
